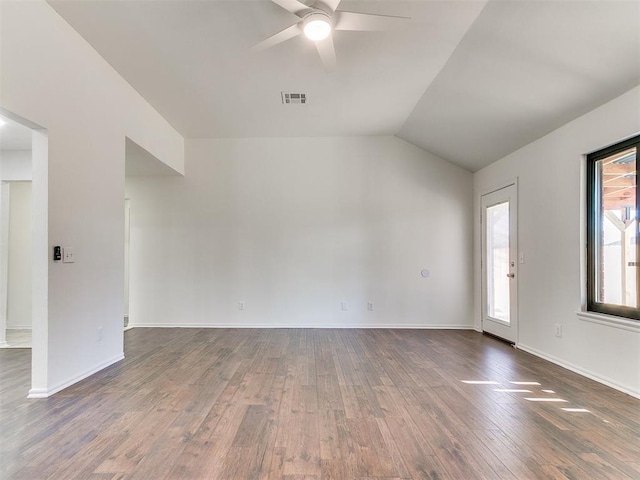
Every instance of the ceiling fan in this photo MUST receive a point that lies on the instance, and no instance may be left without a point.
(319, 20)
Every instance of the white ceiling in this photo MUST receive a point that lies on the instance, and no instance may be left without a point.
(14, 136)
(523, 70)
(467, 82)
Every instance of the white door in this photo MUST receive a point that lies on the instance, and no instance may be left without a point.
(500, 262)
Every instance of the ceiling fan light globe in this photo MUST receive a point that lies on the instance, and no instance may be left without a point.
(317, 27)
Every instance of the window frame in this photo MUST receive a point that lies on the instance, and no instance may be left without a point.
(592, 231)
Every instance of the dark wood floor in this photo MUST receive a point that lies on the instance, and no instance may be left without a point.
(316, 404)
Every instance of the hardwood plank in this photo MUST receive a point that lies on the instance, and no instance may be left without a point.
(635, 467)
(411, 455)
(315, 404)
(371, 454)
(302, 449)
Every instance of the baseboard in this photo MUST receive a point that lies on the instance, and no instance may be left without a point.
(44, 393)
(354, 326)
(38, 393)
(19, 327)
(580, 371)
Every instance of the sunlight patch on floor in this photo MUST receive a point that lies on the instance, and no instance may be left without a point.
(545, 399)
(511, 390)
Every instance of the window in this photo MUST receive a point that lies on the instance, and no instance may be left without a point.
(613, 275)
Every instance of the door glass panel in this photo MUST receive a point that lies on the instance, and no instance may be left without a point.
(617, 227)
(497, 255)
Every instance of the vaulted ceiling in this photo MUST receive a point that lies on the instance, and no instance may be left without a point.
(470, 81)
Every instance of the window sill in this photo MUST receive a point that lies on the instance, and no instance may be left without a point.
(610, 321)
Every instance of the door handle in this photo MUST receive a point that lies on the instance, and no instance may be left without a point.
(511, 275)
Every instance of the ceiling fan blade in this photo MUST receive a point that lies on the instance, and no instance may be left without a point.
(282, 36)
(366, 21)
(327, 53)
(294, 6)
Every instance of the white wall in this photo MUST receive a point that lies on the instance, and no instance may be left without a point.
(551, 283)
(52, 77)
(295, 226)
(19, 271)
(15, 165)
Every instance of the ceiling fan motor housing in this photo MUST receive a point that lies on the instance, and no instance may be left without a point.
(317, 25)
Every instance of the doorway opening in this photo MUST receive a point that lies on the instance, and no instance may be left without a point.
(15, 235)
(15, 253)
(24, 242)
(499, 263)
(142, 169)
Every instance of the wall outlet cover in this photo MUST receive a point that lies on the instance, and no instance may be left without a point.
(559, 330)
(68, 255)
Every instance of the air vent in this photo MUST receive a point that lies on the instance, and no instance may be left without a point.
(289, 98)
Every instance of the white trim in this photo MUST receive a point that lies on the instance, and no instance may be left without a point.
(5, 199)
(38, 393)
(610, 321)
(585, 373)
(19, 327)
(355, 326)
(44, 393)
(500, 186)
(18, 119)
(40, 260)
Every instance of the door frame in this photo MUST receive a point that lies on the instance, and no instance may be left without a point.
(514, 310)
(40, 254)
(4, 258)
(127, 259)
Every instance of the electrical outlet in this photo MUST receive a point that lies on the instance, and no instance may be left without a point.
(370, 306)
(344, 306)
(99, 334)
(240, 305)
(559, 330)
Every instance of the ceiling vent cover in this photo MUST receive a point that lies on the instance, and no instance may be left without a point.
(289, 98)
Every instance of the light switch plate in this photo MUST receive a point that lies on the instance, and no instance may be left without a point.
(68, 255)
